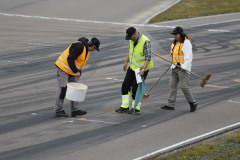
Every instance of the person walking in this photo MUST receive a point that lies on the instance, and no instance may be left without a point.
(69, 66)
(181, 55)
(139, 56)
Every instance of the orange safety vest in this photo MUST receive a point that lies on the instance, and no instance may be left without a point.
(176, 53)
(62, 62)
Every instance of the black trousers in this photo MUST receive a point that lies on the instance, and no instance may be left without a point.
(130, 82)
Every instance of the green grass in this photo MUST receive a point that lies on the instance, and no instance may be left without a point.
(223, 148)
(195, 8)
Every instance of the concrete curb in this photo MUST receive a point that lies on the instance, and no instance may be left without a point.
(190, 141)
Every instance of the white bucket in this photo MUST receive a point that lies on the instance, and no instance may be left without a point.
(76, 91)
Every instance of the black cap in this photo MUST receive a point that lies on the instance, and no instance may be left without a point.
(96, 42)
(129, 32)
(177, 30)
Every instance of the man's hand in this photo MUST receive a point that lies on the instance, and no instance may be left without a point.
(125, 67)
(141, 73)
(78, 75)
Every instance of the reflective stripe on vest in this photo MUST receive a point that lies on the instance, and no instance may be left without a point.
(136, 54)
(79, 68)
(62, 62)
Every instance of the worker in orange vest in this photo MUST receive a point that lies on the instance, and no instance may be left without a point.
(69, 66)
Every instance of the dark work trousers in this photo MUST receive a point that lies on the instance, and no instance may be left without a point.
(62, 80)
(131, 82)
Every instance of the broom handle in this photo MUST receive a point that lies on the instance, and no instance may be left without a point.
(177, 66)
(158, 80)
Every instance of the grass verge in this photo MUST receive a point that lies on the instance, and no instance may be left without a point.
(221, 148)
(195, 8)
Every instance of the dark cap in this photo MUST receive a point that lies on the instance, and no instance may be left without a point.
(95, 42)
(129, 32)
(177, 30)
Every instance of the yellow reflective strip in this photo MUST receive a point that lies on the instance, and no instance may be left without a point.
(124, 106)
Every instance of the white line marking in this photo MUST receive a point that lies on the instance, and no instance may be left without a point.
(114, 79)
(95, 121)
(232, 101)
(69, 121)
(189, 140)
(13, 62)
(216, 23)
(84, 21)
(214, 86)
(215, 30)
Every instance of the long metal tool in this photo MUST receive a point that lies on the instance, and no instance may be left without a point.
(146, 95)
(204, 80)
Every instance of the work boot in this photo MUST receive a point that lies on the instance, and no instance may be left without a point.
(167, 107)
(61, 114)
(78, 113)
(122, 110)
(136, 111)
(193, 107)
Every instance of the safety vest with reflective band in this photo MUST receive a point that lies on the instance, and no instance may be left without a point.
(176, 53)
(136, 55)
(62, 62)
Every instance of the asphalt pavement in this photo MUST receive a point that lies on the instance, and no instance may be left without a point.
(34, 33)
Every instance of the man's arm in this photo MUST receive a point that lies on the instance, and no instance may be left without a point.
(74, 51)
(126, 62)
(147, 54)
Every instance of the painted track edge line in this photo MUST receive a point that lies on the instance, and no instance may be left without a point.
(190, 141)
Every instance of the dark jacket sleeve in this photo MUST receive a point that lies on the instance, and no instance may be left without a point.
(74, 51)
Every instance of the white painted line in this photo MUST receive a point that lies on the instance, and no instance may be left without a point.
(189, 141)
(215, 30)
(214, 86)
(84, 119)
(83, 21)
(13, 62)
(200, 18)
(232, 101)
(114, 79)
(216, 23)
(69, 121)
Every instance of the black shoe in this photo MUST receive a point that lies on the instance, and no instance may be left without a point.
(193, 107)
(136, 111)
(167, 107)
(61, 114)
(122, 110)
(78, 113)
